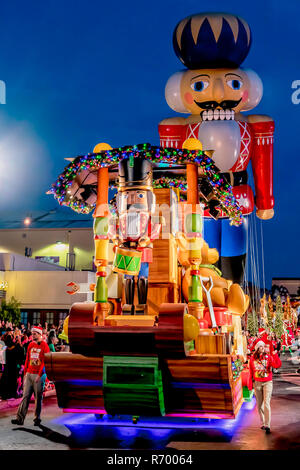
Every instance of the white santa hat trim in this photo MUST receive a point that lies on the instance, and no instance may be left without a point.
(37, 329)
(259, 344)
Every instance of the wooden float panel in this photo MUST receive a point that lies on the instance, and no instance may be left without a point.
(160, 293)
(201, 384)
(62, 367)
(206, 368)
(78, 379)
(160, 268)
(76, 396)
(201, 368)
(200, 400)
(130, 320)
(211, 385)
(210, 344)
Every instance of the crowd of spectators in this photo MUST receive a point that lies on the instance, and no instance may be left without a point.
(14, 341)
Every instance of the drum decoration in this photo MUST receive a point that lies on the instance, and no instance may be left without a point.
(127, 261)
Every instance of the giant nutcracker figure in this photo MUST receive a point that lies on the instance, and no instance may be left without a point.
(215, 92)
(133, 230)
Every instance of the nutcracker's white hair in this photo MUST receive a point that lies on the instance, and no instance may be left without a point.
(255, 92)
(173, 95)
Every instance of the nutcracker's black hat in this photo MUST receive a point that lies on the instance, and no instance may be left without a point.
(135, 173)
(212, 40)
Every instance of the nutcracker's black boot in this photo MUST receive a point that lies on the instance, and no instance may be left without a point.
(141, 308)
(128, 307)
(233, 268)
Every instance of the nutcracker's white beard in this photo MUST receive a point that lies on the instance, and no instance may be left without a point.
(133, 224)
(224, 138)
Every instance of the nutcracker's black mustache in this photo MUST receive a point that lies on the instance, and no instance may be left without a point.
(226, 104)
(131, 207)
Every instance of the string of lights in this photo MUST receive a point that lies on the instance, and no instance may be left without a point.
(222, 190)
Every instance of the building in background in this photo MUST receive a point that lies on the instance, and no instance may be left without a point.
(71, 249)
(286, 286)
(40, 287)
(40, 257)
(56, 236)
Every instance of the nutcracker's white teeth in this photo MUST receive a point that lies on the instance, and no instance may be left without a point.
(218, 115)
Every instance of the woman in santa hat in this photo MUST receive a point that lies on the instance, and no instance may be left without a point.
(260, 369)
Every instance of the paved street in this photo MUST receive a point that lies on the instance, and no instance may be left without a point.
(65, 432)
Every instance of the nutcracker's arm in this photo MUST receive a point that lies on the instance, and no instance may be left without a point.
(113, 229)
(172, 132)
(152, 234)
(262, 164)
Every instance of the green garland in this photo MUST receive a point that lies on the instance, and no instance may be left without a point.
(165, 156)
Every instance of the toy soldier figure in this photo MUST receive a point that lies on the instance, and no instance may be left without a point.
(135, 231)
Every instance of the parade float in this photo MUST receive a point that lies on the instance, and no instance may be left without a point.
(169, 349)
(163, 337)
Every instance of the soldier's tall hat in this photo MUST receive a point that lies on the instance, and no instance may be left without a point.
(135, 173)
(212, 40)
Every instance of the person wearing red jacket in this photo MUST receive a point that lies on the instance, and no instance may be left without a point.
(260, 369)
(35, 376)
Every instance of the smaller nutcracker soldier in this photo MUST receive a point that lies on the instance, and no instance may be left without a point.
(133, 230)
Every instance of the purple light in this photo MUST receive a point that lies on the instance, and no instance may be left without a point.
(86, 383)
(213, 386)
(168, 415)
(85, 410)
(200, 415)
(186, 421)
(164, 423)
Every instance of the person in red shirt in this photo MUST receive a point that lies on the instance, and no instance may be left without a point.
(260, 368)
(34, 377)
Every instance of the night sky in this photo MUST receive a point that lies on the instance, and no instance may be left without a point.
(82, 72)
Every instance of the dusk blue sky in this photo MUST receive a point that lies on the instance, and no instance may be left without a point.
(82, 72)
